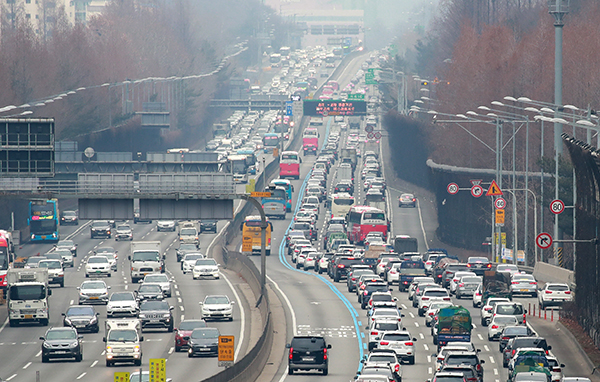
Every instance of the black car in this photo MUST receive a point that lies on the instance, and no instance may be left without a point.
(344, 187)
(69, 217)
(522, 342)
(62, 343)
(100, 228)
(308, 353)
(208, 226)
(184, 249)
(479, 265)
(512, 332)
(365, 295)
(203, 341)
(137, 219)
(82, 318)
(156, 314)
(342, 265)
(353, 276)
(148, 291)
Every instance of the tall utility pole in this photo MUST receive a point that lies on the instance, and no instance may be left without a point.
(558, 9)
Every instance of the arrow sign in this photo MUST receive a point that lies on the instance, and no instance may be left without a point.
(494, 190)
(543, 240)
(452, 188)
(500, 203)
(476, 191)
(557, 206)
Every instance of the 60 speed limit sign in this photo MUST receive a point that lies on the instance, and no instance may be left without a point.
(500, 203)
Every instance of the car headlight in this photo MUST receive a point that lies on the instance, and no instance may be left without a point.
(67, 320)
(32, 236)
(46, 345)
(142, 315)
(136, 348)
(94, 320)
(166, 315)
(73, 344)
(109, 349)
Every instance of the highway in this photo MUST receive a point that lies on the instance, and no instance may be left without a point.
(20, 346)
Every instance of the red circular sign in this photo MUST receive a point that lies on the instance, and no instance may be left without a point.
(476, 191)
(543, 240)
(370, 135)
(377, 135)
(369, 128)
(452, 188)
(500, 203)
(557, 206)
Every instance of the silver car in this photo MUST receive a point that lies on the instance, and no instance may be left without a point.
(401, 343)
(467, 286)
(160, 279)
(523, 284)
(498, 324)
(165, 225)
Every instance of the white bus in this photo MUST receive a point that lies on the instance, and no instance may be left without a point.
(341, 204)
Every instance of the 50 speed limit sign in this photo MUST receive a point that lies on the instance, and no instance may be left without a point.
(557, 206)
(500, 203)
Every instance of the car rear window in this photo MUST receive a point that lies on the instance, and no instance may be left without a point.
(457, 359)
(509, 309)
(396, 337)
(382, 297)
(436, 293)
(517, 330)
(348, 262)
(308, 343)
(377, 287)
(558, 288)
(386, 326)
(530, 343)
(382, 358)
(449, 379)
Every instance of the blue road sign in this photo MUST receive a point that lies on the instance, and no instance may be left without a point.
(289, 105)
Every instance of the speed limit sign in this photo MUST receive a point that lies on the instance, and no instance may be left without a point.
(500, 203)
(557, 206)
(452, 188)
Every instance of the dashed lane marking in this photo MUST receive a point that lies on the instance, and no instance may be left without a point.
(171, 350)
(27, 365)
(480, 337)
(492, 360)
(94, 363)
(422, 336)
(411, 314)
(495, 371)
(426, 347)
(11, 377)
(486, 348)
(39, 353)
(429, 370)
(82, 375)
(181, 308)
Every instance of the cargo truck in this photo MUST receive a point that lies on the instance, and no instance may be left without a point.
(123, 339)
(453, 325)
(495, 284)
(145, 258)
(405, 243)
(27, 297)
(349, 156)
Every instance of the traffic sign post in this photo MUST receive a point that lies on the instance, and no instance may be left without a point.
(557, 206)
(500, 203)
(247, 244)
(544, 240)
(476, 191)
(499, 218)
(371, 135)
(369, 128)
(452, 188)
(158, 372)
(257, 194)
(226, 351)
(494, 190)
(121, 376)
(377, 135)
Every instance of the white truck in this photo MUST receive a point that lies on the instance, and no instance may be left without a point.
(27, 295)
(123, 339)
(146, 257)
(344, 172)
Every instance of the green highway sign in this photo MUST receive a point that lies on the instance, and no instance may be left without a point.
(370, 78)
(356, 96)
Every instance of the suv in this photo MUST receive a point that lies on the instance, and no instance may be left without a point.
(208, 225)
(365, 294)
(308, 353)
(62, 343)
(522, 342)
(449, 272)
(100, 228)
(341, 266)
(455, 358)
(156, 314)
(479, 265)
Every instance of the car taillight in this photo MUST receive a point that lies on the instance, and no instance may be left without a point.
(468, 265)
(513, 352)
(424, 298)
(291, 352)
(489, 265)
(566, 292)
(455, 280)
(478, 367)
(431, 313)
(393, 272)
(384, 343)
(325, 353)
(548, 292)
(340, 265)
(494, 326)
(397, 368)
(461, 284)
(353, 278)
(505, 338)
(533, 283)
(408, 343)
(374, 333)
(446, 298)
(488, 309)
(514, 282)
(524, 319)
(439, 276)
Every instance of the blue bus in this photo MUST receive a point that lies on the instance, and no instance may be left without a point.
(43, 220)
(289, 188)
(275, 205)
(271, 141)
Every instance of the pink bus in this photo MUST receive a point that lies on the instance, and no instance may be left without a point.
(289, 165)
(310, 141)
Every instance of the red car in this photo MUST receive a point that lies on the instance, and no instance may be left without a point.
(182, 334)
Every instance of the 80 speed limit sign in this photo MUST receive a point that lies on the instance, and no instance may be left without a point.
(557, 206)
(500, 203)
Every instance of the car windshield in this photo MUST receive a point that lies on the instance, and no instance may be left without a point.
(123, 228)
(100, 224)
(146, 288)
(193, 257)
(122, 335)
(191, 325)
(27, 292)
(145, 256)
(205, 333)
(506, 309)
(97, 260)
(93, 285)
(154, 305)
(69, 213)
(61, 335)
(206, 262)
(216, 300)
(80, 311)
(156, 279)
(122, 297)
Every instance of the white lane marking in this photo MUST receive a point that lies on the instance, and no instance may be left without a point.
(175, 285)
(4, 325)
(289, 305)
(27, 365)
(126, 286)
(154, 339)
(103, 352)
(492, 360)
(429, 370)
(480, 337)
(426, 347)
(94, 363)
(417, 324)
(11, 377)
(181, 308)
(486, 348)
(82, 375)
(171, 350)
(411, 314)
(495, 371)
(242, 316)
(179, 300)
(182, 317)
(428, 359)
(422, 336)
(177, 293)
(474, 327)
(39, 353)
(422, 225)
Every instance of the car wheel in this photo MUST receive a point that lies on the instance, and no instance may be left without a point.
(190, 355)
(108, 363)
(62, 284)
(170, 329)
(325, 371)
(290, 371)
(45, 359)
(458, 296)
(297, 265)
(421, 313)
(177, 348)
(138, 362)
(109, 275)
(482, 322)
(44, 322)
(79, 357)
(411, 361)
(231, 318)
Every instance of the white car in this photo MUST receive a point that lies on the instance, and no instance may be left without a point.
(160, 279)
(522, 283)
(189, 260)
(205, 267)
(97, 266)
(123, 232)
(384, 358)
(323, 263)
(110, 257)
(385, 314)
(453, 284)
(401, 343)
(382, 263)
(498, 324)
(122, 304)
(416, 281)
(303, 255)
(393, 275)
(311, 260)
(433, 309)
(217, 307)
(507, 268)
(431, 295)
(165, 225)
(382, 300)
(477, 296)
(56, 274)
(488, 309)
(67, 256)
(378, 328)
(451, 347)
(554, 294)
(91, 292)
